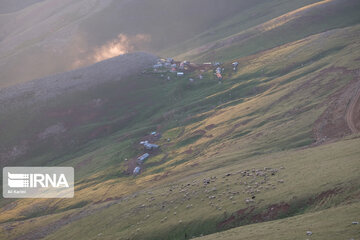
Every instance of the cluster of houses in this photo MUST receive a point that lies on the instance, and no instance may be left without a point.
(147, 146)
(169, 65)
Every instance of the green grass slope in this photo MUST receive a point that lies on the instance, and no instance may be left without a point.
(251, 137)
(144, 217)
(292, 26)
(335, 223)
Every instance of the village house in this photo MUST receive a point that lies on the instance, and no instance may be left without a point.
(136, 170)
(142, 158)
(235, 65)
(149, 146)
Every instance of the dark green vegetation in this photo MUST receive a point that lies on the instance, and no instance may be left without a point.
(249, 154)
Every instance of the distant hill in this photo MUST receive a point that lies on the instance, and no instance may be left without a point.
(292, 26)
(62, 35)
(113, 69)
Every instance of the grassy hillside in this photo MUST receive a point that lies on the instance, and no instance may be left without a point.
(142, 216)
(294, 25)
(335, 223)
(233, 153)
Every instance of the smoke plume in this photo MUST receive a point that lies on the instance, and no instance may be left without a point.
(115, 47)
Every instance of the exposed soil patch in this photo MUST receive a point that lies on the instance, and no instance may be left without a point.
(189, 151)
(131, 165)
(324, 196)
(342, 115)
(273, 212)
(247, 215)
(353, 113)
(209, 127)
(198, 132)
(162, 176)
(252, 214)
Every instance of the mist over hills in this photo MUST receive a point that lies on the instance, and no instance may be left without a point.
(15, 5)
(53, 36)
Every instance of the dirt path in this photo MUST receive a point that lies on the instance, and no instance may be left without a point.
(342, 115)
(352, 114)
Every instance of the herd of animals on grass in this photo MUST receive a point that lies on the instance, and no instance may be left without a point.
(223, 193)
(219, 193)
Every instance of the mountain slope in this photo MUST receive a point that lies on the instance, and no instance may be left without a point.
(261, 116)
(292, 26)
(53, 112)
(333, 223)
(274, 143)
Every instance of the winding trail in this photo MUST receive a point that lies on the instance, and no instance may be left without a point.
(351, 112)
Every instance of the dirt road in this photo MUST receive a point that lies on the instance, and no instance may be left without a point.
(352, 112)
